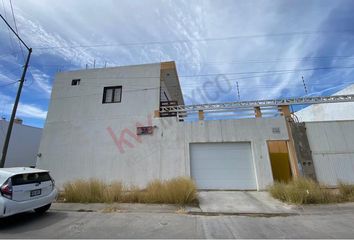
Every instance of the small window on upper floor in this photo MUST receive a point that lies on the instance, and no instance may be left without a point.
(112, 94)
(75, 82)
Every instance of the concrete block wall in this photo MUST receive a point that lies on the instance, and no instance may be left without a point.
(163, 155)
(332, 146)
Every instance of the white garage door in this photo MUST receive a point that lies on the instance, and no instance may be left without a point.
(222, 166)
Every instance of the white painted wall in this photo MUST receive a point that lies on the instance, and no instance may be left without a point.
(332, 146)
(329, 111)
(24, 143)
(76, 142)
(77, 145)
(254, 130)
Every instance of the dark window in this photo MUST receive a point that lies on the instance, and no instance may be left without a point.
(112, 94)
(75, 82)
(29, 178)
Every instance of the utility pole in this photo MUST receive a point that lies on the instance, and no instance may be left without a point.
(14, 109)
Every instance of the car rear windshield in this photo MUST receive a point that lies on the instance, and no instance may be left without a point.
(29, 178)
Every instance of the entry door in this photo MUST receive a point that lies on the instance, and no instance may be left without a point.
(224, 166)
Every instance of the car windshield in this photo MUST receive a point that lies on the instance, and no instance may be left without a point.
(29, 178)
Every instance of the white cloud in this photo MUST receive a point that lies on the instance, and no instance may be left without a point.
(24, 110)
(31, 111)
(5, 79)
(68, 23)
(42, 81)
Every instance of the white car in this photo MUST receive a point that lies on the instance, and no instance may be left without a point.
(25, 189)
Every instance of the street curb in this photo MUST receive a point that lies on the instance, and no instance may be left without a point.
(120, 208)
(246, 214)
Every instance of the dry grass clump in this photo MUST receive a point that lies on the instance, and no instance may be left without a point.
(92, 191)
(112, 192)
(346, 191)
(180, 191)
(84, 191)
(132, 194)
(307, 191)
(175, 191)
(302, 191)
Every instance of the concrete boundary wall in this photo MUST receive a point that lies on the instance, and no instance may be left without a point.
(332, 146)
(163, 155)
(24, 144)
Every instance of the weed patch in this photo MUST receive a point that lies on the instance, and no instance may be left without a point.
(307, 191)
(179, 191)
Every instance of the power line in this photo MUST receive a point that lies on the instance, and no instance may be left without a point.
(196, 39)
(5, 14)
(9, 53)
(14, 19)
(8, 84)
(270, 71)
(319, 58)
(16, 34)
(275, 60)
(17, 98)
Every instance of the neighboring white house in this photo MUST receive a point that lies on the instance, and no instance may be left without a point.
(23, 146)
(104, 123)
(329, 111)
(330, 131)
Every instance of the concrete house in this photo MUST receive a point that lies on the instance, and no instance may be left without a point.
(112, 124)
(24, 144)
(329, 112)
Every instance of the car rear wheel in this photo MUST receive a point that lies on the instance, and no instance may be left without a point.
(42, 209)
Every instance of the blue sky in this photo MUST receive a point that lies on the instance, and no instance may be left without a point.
(265, 46)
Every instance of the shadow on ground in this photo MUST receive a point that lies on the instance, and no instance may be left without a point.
(30, 221)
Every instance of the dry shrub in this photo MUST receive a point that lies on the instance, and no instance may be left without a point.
(180, 191)
(132, 194)
(113, 192)
(346, 191)
(302, 191)
(154, 193)
(278, 191)
(91, 191)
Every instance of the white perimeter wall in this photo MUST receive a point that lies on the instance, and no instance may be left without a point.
(332, 146)
(24, 144)
(163, 155)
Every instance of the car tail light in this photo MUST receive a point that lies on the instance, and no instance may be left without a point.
(53, 183)
(6, 189)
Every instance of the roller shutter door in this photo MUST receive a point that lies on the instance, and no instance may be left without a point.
(227, 166)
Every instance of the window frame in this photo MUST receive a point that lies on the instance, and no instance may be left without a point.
(114, 89)
(75, 82)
